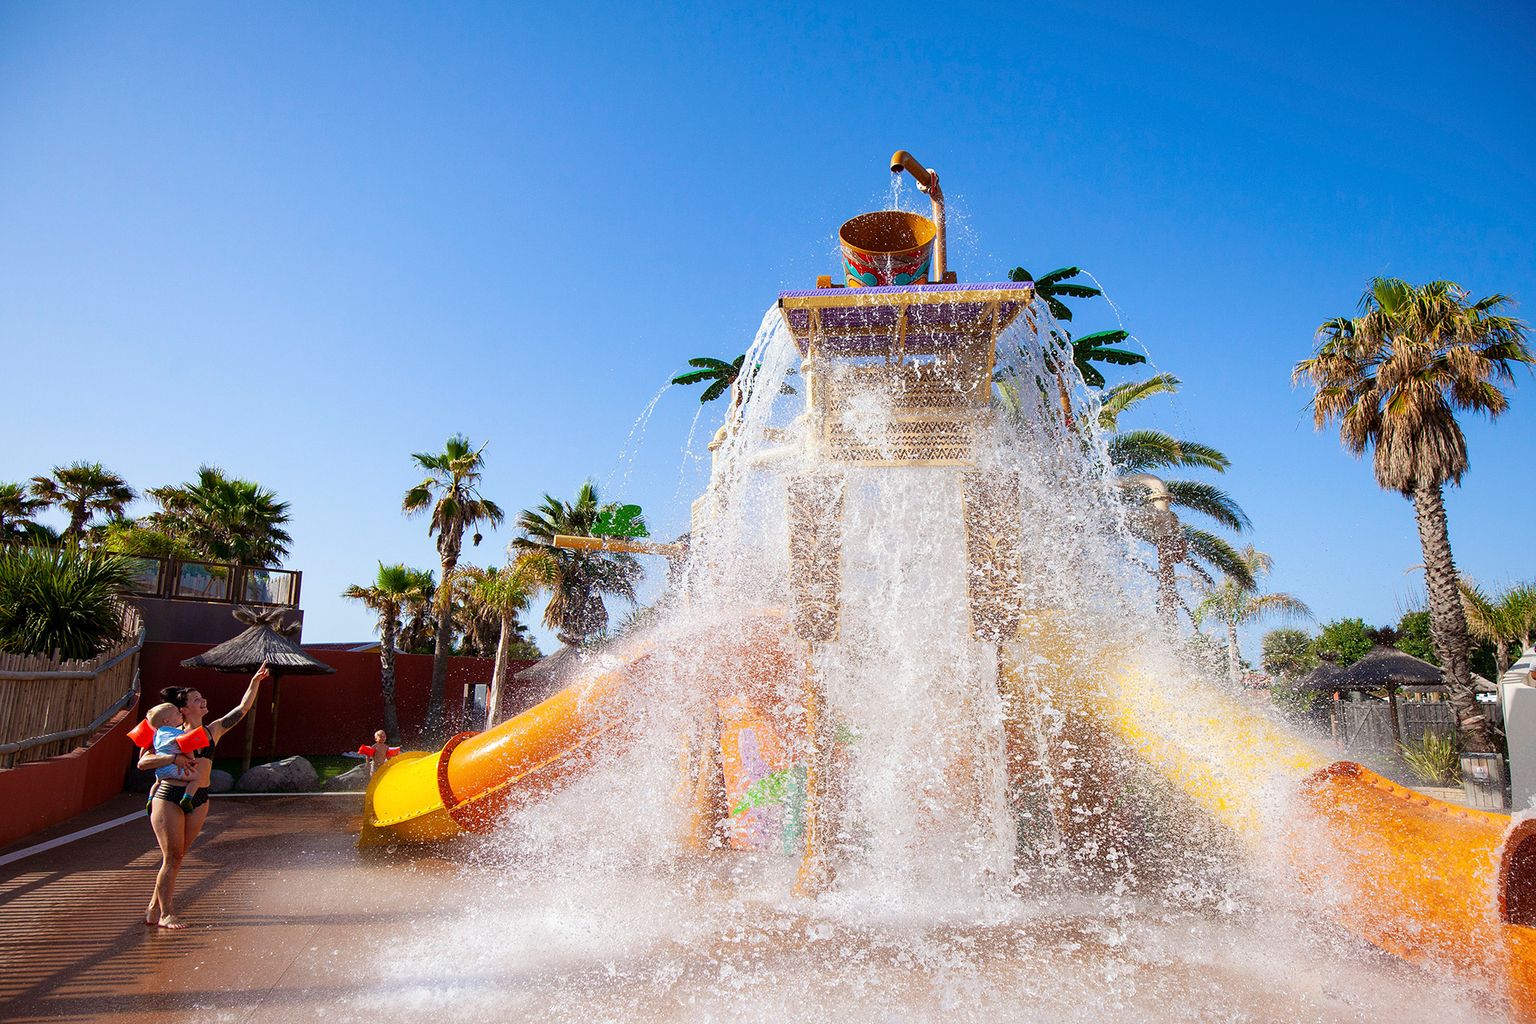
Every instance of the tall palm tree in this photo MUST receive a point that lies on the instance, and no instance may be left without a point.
(505, 593)
(83, 490)
(1235, 603)
(1394, 378)
(224, 518)
(451, 491)
(1502, 620)
(392, 589)
(18, 509)
(576, 580)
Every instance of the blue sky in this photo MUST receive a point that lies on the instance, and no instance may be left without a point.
(302, 241)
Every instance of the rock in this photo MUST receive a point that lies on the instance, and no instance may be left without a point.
(290, 775)
(220, 782)
(353, 780)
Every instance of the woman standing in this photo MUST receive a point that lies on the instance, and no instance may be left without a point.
(175, 828)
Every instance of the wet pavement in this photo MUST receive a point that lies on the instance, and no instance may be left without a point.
(274, 891)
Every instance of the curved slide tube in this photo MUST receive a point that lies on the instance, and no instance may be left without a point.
(1438, 885)
(476, 777)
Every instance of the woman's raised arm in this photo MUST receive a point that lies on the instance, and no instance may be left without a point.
(220, 726)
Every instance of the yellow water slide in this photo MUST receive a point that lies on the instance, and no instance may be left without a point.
(1436, 884)
(475, 777)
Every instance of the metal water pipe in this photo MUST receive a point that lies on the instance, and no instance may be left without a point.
(927, 181)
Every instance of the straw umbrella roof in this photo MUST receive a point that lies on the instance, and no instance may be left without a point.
(1324, 677)
(1388, 668)
(259, 644)
(552, 668)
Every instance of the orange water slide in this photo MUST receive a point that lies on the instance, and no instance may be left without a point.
(468, 784)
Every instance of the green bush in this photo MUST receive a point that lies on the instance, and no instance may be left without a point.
(1435, 760)
(61, 599)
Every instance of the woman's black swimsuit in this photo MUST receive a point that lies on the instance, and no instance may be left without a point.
(165, 789)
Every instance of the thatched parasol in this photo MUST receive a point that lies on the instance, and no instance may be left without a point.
(1386, 668)
(264, 642)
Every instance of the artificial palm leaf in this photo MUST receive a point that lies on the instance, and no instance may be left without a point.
(1122, 396)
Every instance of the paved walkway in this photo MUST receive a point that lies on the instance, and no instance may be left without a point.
(274, 891)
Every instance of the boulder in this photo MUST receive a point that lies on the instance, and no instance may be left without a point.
(353, 780)
(220, 782)
(290, 775)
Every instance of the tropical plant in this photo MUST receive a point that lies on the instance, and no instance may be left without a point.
(451, 490)
(576, 580)
(83, 490)
(1501, 619)
(1287, 653)
(18, 511)
(223, 518)
(1234, 603)
(137, 538)
(1135, 455)
(505, 593)
(1343, 642)
(418, 631)
(1435, 760)
(393, 588)
(61, 599)
(1394, 379)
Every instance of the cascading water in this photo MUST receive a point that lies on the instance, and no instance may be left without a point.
(993, 852)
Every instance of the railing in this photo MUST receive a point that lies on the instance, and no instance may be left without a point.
(47, 704)
(184, 580)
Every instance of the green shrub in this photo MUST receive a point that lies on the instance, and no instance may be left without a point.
(61, 599)
(1435, 760)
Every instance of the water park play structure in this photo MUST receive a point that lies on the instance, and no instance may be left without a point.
(908, 643)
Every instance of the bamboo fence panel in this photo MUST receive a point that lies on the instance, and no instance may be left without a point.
(42, 694)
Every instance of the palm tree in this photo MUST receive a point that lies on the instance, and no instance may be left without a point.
(18, 507)
(1135, 455)
(1501, 620)
(418, 630)
(451, 491)
(83, 490)
(576, 580)
(223, 518)
(505, 593)
(392, 589)
(1235, 603)
(1394, 378)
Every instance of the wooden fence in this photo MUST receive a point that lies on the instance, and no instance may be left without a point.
(49, 706)
(1366, 726)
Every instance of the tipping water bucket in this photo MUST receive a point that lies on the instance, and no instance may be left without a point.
(887, 247)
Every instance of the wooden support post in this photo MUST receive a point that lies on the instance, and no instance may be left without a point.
(816, 869)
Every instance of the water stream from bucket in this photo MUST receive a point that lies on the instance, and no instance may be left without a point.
(955, 899)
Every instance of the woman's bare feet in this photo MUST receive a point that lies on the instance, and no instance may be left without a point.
(152, 914)
(172, 922)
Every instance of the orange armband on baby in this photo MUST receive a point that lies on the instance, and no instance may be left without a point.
(143, 735)
(197, 739)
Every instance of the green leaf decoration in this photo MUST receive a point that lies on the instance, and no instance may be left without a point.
(1057, 275)
(694, 376)
(768, 790)
(1076, 291)
(625, 521)
(1103, 338)
(1058, 308)
(714, 391)
(1115, 356)
(1019, 274)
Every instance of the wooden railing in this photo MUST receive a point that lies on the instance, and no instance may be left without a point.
(187, 580)
(49, 706)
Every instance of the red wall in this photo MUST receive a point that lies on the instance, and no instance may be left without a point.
(43, 793)
(318, 714)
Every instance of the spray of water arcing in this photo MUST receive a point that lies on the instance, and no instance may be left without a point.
(1001, 852)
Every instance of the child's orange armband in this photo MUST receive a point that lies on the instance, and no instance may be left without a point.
(365, 750)
(197, 739)
(143, 735)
